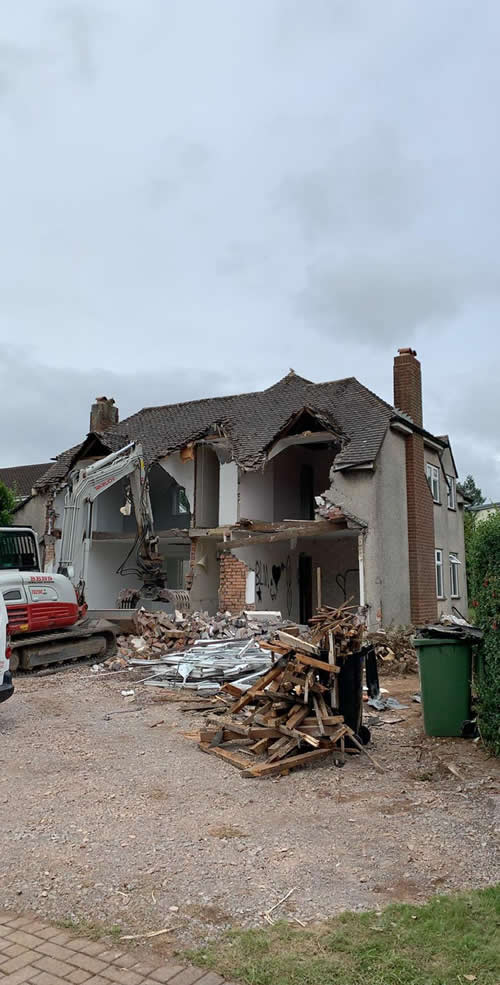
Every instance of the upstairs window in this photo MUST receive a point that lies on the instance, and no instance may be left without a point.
(454, 581)
(439, 574)
(180, 502)
(432, 473)
(452, 492)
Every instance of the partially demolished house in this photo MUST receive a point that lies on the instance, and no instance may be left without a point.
(280, 499)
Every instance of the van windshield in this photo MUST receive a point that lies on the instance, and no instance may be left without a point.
(18, 550)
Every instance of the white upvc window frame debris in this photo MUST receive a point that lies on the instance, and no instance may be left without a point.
(432, 473)
(439, 573)
(451, 483)
(454, 575)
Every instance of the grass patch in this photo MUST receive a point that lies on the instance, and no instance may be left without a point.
(90, 928)
(451, 940)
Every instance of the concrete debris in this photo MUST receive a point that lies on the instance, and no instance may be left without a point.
(394, 649)
(160, 633)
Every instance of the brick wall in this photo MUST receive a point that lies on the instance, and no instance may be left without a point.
(408, 384)
(408, 398)
(232, 583)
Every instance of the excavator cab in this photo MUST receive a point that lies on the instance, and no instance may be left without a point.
(18, 549)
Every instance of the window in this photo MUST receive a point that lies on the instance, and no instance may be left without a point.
(454, 582)
(439, 575)
(432, 472)
(451, 482)
(180, 502)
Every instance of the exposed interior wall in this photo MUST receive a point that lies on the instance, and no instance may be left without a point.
(182, 472)
(257, 494)
(287, 478)
(205, 584)
(103, 583)
(276, 568)
(228, 493)
(207, 487)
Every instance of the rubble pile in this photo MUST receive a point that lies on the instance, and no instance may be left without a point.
(159, 633)
(394, 649)
(290, 716)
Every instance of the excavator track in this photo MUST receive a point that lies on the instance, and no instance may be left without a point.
(96, 639)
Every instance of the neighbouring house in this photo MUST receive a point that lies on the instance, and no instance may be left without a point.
(277, 498)
(30, 509)
(483, 511)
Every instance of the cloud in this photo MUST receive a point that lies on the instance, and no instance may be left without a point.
(47, 408)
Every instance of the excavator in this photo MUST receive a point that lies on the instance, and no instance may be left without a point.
(47, 612)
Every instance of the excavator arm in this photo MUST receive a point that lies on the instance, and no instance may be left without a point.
(84, 486)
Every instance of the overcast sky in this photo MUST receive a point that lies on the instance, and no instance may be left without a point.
(197, 195)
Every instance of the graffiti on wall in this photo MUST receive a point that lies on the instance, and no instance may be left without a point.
(268, 578)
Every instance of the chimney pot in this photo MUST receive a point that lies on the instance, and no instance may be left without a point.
(103, 414)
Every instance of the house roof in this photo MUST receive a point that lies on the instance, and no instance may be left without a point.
(22, 478)
(251, 422)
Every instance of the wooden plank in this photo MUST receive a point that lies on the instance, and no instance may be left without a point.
(317, 664)
(280, 748)
(300, 736)
(297, 717)
(314, 729)
(228, 724)
(234, 758)
(325, 711)
(259, 747)
(295, 643)
(350, 733)
(262, 683)
(265, 769)
(318, 715)
(330, 720)
(231, 689)
(263, 732)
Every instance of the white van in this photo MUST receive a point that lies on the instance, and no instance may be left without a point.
(6, 685)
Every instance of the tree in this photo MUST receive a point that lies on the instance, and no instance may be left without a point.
(473, 497)
(472, 493)
(7, 504)
(485, 583)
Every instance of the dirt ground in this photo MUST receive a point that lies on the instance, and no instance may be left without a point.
(106, 819)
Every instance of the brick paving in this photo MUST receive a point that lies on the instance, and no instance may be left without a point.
(35, 953)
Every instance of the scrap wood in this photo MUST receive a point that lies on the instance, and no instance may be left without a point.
(317, 664)
(283, 765)
(290, 716)
(152, 933)
(259, 686)
(267, 913)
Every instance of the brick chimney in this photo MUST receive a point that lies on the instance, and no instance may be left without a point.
(103, 414)
(408, 398)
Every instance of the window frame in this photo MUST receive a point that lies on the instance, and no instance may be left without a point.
(432, 473)
(451, 492)
(439, 567)
(454, 575)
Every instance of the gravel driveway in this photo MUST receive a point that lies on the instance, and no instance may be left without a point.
(105, 819)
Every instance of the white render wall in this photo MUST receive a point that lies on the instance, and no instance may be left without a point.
(378, 497)
(449, 535)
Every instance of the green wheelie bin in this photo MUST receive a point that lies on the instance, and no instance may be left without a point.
(445, 667)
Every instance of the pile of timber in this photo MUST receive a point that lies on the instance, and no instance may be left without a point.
(290, 717)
